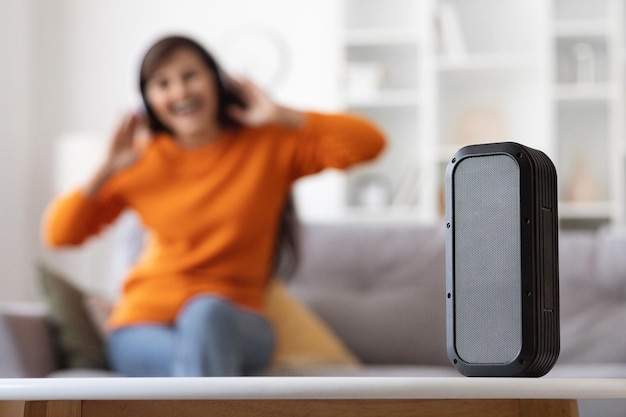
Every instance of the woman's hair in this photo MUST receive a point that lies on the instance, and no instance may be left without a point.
(287, 255)
(287, 249)
(227, 95)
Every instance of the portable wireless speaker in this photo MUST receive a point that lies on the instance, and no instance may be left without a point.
(502, 261)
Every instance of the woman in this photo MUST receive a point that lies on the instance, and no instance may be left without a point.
(210, 187)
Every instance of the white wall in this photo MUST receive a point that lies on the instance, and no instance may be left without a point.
(75, 69)
(107, 37)
(15, 144)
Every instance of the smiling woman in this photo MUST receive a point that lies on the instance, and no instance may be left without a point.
(185, 89)
(212, 186)
(178, 77)
(181, 93)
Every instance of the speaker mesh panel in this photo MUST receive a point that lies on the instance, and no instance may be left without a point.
(487, 277)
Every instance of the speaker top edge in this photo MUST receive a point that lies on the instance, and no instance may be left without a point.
(510, 148)
(514, 150)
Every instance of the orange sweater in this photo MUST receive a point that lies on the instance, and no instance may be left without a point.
(212, 213)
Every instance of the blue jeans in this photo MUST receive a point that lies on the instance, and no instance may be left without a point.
(211, 337)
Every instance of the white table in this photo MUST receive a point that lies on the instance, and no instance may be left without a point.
(299, 396)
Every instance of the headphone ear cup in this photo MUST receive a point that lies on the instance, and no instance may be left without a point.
(151, 121)
(232, 90)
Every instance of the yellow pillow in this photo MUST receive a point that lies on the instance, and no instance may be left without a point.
(302, 338)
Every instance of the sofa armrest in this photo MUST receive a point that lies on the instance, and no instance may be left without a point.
(26, 344)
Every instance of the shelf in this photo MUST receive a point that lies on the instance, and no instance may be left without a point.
(583, 211)
(365, 37)
(435, 81)
(384, 98)
(576, 29)
(483, 62)
(575, 93)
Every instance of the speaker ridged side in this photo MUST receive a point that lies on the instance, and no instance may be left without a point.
(548, 328)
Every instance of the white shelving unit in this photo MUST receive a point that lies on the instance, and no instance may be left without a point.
(487, 91)
(588, 110)
(437, 75)
(383, 66)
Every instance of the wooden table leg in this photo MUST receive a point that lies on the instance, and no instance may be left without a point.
(53, 409)
(11, 408)
(549, 408)
(296, 408)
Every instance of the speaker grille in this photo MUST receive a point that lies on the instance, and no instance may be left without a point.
(487, 273)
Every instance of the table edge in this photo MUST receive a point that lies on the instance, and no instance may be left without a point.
(308, 388)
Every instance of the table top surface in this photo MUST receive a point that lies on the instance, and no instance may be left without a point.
(306, 388)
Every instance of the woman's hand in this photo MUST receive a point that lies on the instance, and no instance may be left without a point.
(122, 151)
(261, 109)
(121, 154)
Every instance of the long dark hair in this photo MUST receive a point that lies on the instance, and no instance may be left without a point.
(287, 254)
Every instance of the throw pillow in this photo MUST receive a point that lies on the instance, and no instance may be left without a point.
(79, 342)
(302, 338)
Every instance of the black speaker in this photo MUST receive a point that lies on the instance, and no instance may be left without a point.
(502, 261)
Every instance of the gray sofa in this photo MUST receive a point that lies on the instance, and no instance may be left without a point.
(381, 286)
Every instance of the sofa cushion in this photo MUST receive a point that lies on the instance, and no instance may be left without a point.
(26, 344)
(380, 286)
(593, 297)
(80, 345)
